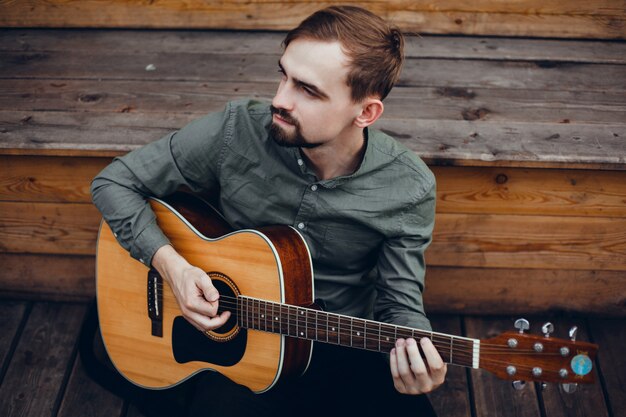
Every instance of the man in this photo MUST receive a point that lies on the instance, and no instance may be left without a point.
(364, 204)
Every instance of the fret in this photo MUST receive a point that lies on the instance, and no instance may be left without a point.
(351, 331)
(345, 331)
(372, 336)
(264, 316)
(316, 329)
(322, 330)
(451, 349)
(387, 342)
(272, 317)
(288, 321)
(332, 329)
(358, 333)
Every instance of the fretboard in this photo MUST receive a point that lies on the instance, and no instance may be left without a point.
(321, 326)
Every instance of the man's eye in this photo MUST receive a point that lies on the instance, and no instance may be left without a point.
(308, 91)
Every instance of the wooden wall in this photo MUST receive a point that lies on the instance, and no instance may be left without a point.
(603, 19)
(516, 239)
(525, 136)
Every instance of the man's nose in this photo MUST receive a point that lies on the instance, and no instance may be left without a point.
(282, 99)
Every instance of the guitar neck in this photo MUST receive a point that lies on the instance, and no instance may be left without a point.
(321, 326)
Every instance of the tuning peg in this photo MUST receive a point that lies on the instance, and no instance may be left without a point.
(519, 385)
(547, 329)
(569, 388)
(572, 333)
(521, 325)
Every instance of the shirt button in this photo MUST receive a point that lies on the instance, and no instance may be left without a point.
(314, 187)
(300, 226)
(300, 162)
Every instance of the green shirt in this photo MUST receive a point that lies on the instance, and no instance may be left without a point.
(366, 232)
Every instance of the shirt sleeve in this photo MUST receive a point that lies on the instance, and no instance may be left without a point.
(189, 157)
(401, 266)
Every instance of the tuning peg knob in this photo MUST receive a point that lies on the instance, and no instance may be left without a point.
(521, 325)
(572, 333)
(547, 329)
(519, 385)
(569, 388)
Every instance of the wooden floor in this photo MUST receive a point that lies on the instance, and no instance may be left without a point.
(42, 375)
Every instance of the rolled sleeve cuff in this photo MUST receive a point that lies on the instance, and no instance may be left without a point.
(147, 243)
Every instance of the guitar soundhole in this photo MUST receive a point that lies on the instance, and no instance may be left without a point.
(228, 295)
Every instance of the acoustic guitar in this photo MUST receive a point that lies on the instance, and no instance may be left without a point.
(265, 279)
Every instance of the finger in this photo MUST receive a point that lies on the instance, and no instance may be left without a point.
(404, 368)
(204, 323)
(395, 374)
(436, 365)
(418, 367)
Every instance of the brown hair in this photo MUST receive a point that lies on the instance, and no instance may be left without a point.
(374, 48)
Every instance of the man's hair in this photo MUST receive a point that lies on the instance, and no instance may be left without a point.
(375, 49)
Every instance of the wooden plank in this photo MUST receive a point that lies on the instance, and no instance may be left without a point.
(529, 242)
(42, 357)
(458, 142)
(174, 65)
(528, 18)
(13, 314)
(48, 179)
(237, 42)
(459, 189)
(522, 291)
(64, 229)
(84, 397)
(610, 334)
(493, 396)
(530, 191)
(438, 142)
(434, 103)
(47, 277)
(452, 398)
(588, 400)
(481, 240)
(458, 290)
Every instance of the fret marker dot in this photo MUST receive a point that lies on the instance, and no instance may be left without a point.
(333, 329)
(301, 333)
(387, 339)
(262, 315)
(302, 312)
(276, 318)
(358, 333)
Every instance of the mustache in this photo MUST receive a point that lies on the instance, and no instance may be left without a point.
(284, 115)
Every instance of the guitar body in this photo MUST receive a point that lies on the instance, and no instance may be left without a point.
(270, 263)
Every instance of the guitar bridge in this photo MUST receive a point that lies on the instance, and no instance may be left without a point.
(155, 302)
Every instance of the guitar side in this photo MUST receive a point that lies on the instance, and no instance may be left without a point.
(271, 263)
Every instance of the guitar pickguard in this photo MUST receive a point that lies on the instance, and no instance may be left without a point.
(189, 345)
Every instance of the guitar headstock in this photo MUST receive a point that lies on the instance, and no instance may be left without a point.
(526, 357)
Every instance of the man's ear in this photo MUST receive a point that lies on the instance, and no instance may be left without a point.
(371, 110)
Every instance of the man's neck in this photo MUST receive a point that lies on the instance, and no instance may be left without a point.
(337, 158)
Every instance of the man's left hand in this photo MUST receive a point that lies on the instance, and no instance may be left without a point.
(411, 374)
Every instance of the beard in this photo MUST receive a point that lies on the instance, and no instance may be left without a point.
(284, 138)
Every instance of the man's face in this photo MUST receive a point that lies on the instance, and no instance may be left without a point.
(312, 105)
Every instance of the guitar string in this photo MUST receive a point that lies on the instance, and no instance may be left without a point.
(293, 317)
(443, 342)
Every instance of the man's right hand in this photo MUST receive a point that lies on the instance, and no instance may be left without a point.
(197, 298)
